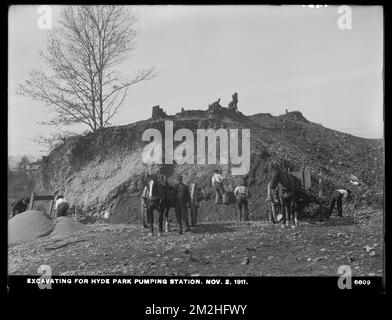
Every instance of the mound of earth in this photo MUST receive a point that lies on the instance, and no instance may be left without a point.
(66, 226)
(28, 226)
(104, 171)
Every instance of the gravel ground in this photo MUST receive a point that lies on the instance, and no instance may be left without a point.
(253, 248)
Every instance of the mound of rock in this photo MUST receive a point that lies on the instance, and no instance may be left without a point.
(28, 226)
(104, 171)
(66, 226)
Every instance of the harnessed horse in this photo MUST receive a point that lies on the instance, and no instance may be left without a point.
(159, 197)
(289, 193)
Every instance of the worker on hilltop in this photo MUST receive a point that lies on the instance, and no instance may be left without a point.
(241, 194)
(337, 197)
(217, 182)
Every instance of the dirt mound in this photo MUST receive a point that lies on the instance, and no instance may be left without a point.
(104, 171)
(28, 226)
(66, 226)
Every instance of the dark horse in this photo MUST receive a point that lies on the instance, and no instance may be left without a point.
(290, 192)
(160, 197)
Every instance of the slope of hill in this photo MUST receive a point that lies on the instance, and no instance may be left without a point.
(104, 171)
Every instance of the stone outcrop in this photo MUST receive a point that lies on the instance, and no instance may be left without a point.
(158, 113)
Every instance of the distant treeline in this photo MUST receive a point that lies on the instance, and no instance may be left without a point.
(18, 183)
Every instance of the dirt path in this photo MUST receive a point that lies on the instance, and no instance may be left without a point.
(254, 248)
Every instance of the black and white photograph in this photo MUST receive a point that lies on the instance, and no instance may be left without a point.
(166, 144)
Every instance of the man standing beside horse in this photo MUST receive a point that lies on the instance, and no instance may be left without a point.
(275, 199)
(182, 201)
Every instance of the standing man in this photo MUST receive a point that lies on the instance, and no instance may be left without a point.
(275, 198)
(162, 187)
(182, 200)
(20, 206)
(61, 206)
(144, 206)
(337, 197)
(217, 182)
(241, 194)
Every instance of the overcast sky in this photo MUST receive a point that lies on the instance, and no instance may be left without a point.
(276, 57)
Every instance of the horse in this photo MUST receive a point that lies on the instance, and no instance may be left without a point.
(159, 197)
(289, 193)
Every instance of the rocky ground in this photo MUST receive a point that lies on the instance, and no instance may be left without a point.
(253, 248)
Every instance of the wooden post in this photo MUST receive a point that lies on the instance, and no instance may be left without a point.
(194, 203)
(31, 201)
(50, 208)
(320, 194)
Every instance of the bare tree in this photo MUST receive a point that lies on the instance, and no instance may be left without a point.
(83, 52)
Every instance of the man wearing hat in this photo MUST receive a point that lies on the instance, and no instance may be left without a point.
(217, 182)
(182, 200)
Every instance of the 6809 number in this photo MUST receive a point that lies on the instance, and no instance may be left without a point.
(362, 282)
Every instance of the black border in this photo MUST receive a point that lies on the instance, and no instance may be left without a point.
(281, 285)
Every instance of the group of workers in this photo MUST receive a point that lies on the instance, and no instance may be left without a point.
(61, 206)
(241, 193)
(183, 199)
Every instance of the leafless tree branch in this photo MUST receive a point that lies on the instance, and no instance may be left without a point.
(82, 53)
